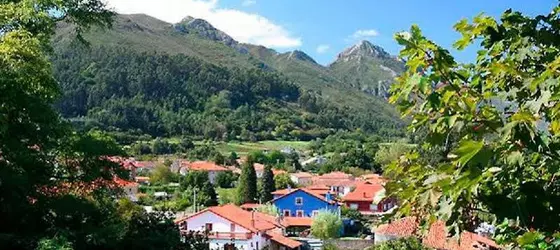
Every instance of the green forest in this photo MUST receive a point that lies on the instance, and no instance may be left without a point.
(148, 93)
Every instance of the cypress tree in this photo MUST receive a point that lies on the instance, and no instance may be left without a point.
(247, 187)
(267, 184)
(210, 192)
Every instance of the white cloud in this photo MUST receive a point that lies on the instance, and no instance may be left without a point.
(242, 26)
(322, 48)
(360, 34)
(248, 2)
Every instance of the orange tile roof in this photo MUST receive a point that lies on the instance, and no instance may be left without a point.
(336, 175)
(437, 238)
(302, 175)
(252, 221)
(404, 227)
(283, 240)
(250, 206)
(204, 166)
(364, 191)
(296, 221)
(318, 187)
(278, 171)
(141, 178)
(124, 183)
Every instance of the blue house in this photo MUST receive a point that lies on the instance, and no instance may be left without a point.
(302, 203)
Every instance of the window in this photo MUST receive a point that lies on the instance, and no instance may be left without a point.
(299, 201)
(353, 205)
(315, 213)
(373, 207)
(232, 227)
(286, 213)
(208, 227)
(299, 213)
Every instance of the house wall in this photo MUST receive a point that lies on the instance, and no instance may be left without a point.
(302, 181)
(310, 204)
(364, 206)
(222, 225)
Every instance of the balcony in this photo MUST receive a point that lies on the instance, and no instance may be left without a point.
(228, 236)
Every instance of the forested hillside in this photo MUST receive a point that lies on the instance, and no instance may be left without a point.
(120, 89)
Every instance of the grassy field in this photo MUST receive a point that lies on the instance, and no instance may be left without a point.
(242, 148)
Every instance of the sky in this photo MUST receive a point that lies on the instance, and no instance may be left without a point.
(324, 28)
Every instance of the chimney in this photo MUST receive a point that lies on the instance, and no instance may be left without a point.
(253, 218)
(364, 194)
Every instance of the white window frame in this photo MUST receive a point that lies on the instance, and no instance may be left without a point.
(354, 206)
(300, 199)
(298, 213)
(288, 211)
(314, 213)
(373, 207)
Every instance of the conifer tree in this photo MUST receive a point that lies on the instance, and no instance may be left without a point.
(247, 187)
(267, 184)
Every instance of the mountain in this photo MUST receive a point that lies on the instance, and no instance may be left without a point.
(325, 101)
(367, 67)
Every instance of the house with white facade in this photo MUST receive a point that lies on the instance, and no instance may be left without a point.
(230, 227)
(302, 179)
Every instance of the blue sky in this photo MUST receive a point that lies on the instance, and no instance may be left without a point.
(323, 28)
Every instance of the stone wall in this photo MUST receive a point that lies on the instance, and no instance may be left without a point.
(350, 244)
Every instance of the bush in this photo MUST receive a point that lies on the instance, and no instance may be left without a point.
(400, 244)
(326, 225)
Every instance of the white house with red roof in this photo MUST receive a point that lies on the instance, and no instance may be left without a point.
(369, 198)
(230, 227)
(212, 168)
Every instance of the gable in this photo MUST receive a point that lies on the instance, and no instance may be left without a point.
(219, 223)
(300, 193)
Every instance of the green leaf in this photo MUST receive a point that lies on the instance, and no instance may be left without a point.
(467, 150)
(529, 238)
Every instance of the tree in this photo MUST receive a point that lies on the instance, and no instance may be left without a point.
(219, 159)
(268, 185)
(232, 159)
(225, 179)
(162, 175)
(503, 112)
(326, 225)
(391, 153)
(269, 209)
(283, 181)
(195, 179)
(162, 146)
(210, 192)
(247, 185)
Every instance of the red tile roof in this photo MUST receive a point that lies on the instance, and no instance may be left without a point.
(124, 183)
(404, 227)
(337, 175)
(282, 240)
(296, 221)
(142, 179)
(302, 175)
(437, 236)
(252, 221)
(278, 171)
(365, 191)
(203, 166)
(250, 206)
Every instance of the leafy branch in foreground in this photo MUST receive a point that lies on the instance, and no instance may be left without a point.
(502, 115)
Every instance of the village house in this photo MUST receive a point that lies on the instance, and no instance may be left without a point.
(230, 227)
(303, 203)
(339, 182)
(369, 199)
(212, 168)
(436, 238)
(302, 179)
(129, 188)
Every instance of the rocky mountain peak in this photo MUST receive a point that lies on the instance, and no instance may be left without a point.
(300, 55)
(205, 29)
(361, 50)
